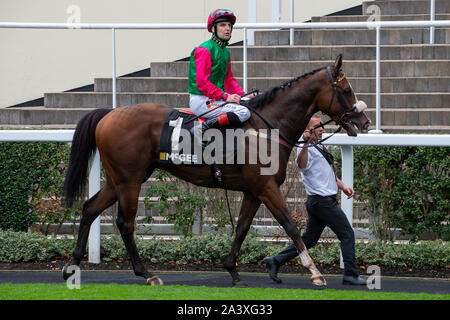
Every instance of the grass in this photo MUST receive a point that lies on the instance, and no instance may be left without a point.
(139, 292)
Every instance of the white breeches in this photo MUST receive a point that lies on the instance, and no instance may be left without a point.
(198, 106)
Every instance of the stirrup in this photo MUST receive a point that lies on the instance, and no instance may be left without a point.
(216, 172)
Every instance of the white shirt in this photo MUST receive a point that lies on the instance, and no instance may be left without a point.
(318, 175)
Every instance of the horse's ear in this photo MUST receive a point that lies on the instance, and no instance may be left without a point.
(338, 64)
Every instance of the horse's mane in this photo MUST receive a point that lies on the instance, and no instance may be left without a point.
(269, 95)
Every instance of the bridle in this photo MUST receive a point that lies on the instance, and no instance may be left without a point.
(341, 122)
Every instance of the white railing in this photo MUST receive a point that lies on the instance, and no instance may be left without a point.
(432, 9)
(345, 142)
(276, 13)
(377, 25)
(94, 172)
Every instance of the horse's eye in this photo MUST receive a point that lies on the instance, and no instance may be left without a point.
(347, 91)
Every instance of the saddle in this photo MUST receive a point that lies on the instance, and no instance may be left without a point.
(172, 138)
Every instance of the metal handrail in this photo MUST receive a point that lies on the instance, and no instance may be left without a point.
(377, 25)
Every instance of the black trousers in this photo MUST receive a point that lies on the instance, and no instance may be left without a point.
(325, 211)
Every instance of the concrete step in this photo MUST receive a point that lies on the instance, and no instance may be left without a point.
(353, 68)
(349, 52)
(422, 129)
(432, 103)
(41, 115)
(142, 84)
(181, 99)
(412, 117)
(403, 120)
(388, 85)
(428, 129)
(351, 36)
(407, 7)
(359, 18)
(415, 129)
(8, 126)
(104, 100)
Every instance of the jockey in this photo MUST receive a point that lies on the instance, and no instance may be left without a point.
(211, 81)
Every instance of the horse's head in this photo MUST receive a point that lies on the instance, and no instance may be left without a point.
(338, 100)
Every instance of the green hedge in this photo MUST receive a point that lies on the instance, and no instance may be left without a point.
(404, 187)
(31, 171)
(26, 247)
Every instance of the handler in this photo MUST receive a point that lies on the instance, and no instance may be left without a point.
(316, 166)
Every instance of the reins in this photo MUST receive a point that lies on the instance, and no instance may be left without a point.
(298, 143)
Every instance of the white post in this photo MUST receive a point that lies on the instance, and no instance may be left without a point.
(244, 80)
(94, 187)
(347, 178)
(291, 31)
(377, 84)
(432, 9)
(114, 90)
(252, 18)
(276, 10)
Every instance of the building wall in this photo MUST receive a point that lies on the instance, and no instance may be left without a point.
(33, 61)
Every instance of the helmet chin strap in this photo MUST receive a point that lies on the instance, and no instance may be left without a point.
(217, 36)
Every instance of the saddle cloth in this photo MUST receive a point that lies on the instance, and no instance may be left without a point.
(171, 138)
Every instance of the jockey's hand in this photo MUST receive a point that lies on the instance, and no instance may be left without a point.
(234, 98)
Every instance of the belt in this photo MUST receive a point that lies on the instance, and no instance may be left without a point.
(319, 196)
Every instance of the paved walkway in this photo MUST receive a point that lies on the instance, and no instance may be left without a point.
(221, 279)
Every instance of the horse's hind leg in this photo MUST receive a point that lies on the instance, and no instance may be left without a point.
(92, 208)
(249, 206)
(128, 203)
(273, 199)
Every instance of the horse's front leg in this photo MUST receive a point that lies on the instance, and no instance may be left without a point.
(249, 206)
(273, 199)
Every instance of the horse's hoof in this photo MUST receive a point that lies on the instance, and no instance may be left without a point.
(240, 284)
(319, 281)
(155, 281)
(66, 275)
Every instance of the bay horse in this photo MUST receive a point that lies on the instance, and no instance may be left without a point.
(128, 139)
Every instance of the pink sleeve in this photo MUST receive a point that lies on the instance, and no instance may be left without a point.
(231, 86)
(203, 71)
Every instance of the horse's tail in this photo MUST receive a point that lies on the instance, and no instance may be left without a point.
(83, 147)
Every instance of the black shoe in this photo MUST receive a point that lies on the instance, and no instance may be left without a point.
(272, 267)
(352, 280)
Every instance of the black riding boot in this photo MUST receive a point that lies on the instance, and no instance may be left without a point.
(209, 124)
